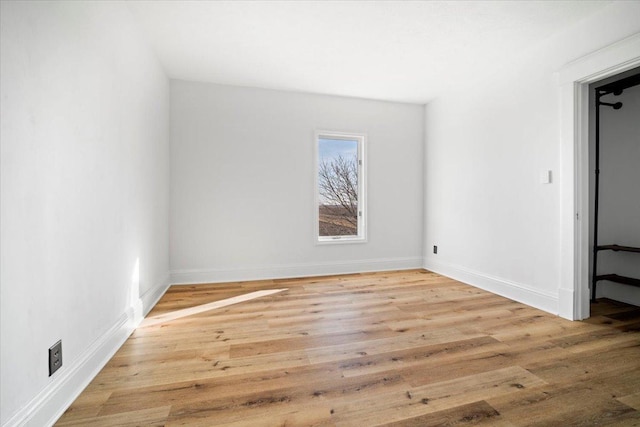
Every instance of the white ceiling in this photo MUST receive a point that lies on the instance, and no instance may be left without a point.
(392, 50)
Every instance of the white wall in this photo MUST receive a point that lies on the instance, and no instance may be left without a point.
(495, 224)
(85, 169)
(242, 183)
(619, 207)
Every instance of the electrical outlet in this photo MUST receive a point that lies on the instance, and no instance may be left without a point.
(435, 249)
(55, 357)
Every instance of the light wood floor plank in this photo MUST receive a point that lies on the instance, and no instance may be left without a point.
(153, 417)
(403, 348)
(430, 398)
(473, 414)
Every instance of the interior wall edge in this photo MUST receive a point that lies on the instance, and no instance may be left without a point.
(566, 307)
(151, 297)
(545, 301)
(199, 276)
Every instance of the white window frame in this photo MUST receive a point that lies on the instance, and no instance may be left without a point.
(361, 237)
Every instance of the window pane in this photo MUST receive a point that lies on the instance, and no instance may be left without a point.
(338, 187)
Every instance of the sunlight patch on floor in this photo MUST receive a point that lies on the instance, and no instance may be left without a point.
(178, 314)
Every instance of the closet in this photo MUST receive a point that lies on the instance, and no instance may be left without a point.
(624, 190)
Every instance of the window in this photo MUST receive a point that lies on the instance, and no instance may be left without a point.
(340, 188)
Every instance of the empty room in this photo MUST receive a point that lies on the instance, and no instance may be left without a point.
(319, 213)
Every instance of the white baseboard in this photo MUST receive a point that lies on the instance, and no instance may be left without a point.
(185, 277)
(70, 380)
(151, 297)
(546, 301)
(49, 405)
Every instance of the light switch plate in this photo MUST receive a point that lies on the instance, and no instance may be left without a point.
(545, 177)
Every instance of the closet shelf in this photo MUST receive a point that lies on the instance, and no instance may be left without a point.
(619, 279)
(618, 248)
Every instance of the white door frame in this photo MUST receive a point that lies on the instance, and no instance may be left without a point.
(574, 80)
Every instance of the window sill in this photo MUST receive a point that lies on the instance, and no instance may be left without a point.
(340, 240)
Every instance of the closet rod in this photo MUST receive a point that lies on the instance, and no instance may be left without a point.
(616, 106)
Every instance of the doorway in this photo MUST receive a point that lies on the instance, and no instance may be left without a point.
(614, 188)
(574, 79)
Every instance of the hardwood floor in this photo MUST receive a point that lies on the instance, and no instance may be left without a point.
(407, 348)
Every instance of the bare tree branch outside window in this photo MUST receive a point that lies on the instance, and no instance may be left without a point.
(338, 188)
